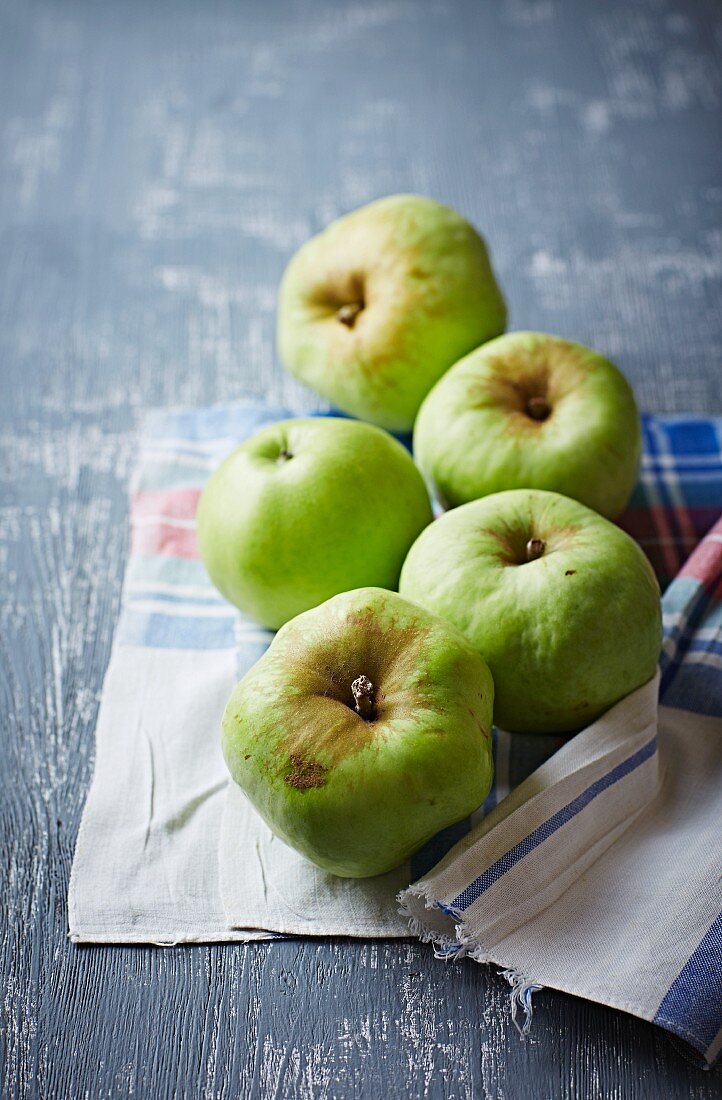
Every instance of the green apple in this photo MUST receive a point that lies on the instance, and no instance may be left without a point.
(531, 411)
(375, 308)
(563, 604)
(363, 730)
(306, 509)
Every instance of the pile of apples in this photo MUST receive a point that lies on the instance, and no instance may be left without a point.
(366, 726)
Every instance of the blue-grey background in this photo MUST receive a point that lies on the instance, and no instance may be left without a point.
(159, 164)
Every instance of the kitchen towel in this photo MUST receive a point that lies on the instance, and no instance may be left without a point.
(169, 852)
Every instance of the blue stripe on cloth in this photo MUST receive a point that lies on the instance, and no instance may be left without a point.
(696, 686)
(209, 599)
(690, 678)
(656, 444)
(690, 436)
(705, 645)
(690, 607)
(492, 874)
(242, 420)
(157, 631)
(692, 1007)
(681, 465)
(697, 490)
(679, 594)
(713, 618)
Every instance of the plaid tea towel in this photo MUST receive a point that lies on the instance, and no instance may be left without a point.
(598, 874)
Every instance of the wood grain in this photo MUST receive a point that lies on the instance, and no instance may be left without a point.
(160, 162)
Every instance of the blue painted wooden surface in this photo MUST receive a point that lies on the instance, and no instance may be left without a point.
(160, 162)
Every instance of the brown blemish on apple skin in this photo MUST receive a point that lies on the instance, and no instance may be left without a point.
(337, 732)
(506, 542)
(305, 774)
(570, 572)
(515, 394)
(565, 535)
(486, 734)
(340, 294)
(530, 382)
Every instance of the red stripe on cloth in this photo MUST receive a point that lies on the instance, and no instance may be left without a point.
(163, 539)
(705, 564)
(168, 503)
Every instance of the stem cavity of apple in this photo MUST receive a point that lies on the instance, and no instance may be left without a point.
(347, 314)
(534, 549)
(363, 693)
(283, 456)
(538, 408)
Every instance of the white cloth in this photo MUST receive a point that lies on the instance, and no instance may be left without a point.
(612, 901)
(599, 874)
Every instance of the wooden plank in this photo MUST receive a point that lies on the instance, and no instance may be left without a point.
(160, 164)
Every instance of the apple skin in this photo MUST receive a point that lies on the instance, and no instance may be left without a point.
(357, 796)
(566, 635)
(474, 434)
(305, 509)
(422, 275)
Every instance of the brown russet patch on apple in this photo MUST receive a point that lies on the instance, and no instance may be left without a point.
(333, 291)
(512, 380)
(512, 542)
(326, 724)
(528, 382)
(512, 395)
(305, 774)
(561, 538)
(506, 543)
(570, 572)
(370, 622)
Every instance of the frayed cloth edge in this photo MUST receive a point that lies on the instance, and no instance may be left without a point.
(451, 948)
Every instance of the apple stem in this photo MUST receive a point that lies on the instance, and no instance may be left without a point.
(538, 408)
(284, 455)
(363, 693)
(347, 314)
(534, 549)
